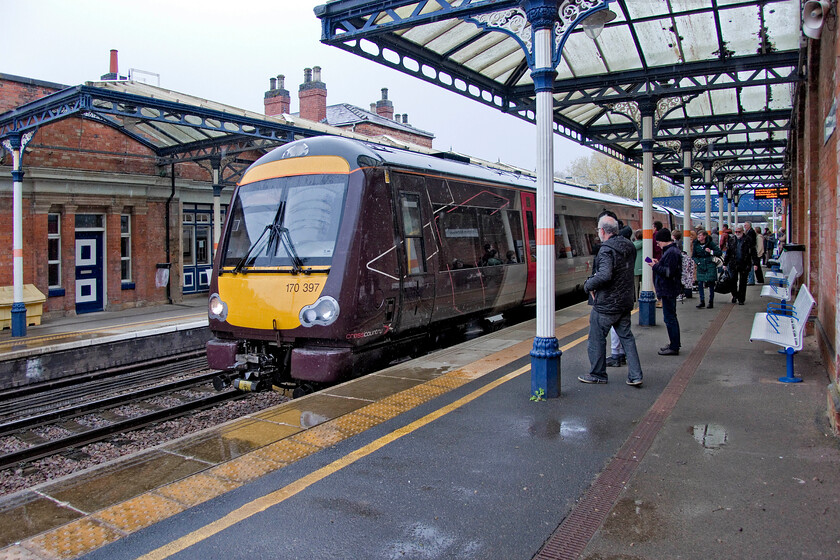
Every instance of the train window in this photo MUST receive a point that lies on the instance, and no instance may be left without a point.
(459, 232)
(412, 233)
(532, 233)
(281, 221)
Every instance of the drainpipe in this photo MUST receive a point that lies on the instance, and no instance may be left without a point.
(168, 259)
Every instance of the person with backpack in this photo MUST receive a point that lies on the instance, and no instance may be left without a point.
(703, 253)
(667, 281)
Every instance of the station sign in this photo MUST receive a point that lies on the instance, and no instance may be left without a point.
(776, 191)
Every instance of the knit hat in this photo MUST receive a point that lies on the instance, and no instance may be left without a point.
(663, 234)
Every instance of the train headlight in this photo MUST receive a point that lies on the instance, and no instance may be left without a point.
(217, 309)
(323, 312)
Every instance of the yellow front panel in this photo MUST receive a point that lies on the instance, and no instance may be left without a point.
(256, 301)
(296, 166)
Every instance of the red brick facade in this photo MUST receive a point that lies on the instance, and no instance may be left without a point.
(815, 206)
(76, 166)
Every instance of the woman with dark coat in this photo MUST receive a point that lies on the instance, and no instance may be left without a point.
(704, 252)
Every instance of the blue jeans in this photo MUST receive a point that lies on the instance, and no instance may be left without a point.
(702, 285)
(669, 316)
(599, 328)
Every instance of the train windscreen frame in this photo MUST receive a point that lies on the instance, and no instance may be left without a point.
(285, 222)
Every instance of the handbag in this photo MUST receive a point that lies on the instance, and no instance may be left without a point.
(724, 283)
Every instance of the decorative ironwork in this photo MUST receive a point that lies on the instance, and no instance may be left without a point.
(569, 12)
(674, 145)
(513, 22)
(24, 140)
(666, 105)
(629, 109)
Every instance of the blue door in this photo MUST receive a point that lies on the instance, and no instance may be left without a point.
(197, 257)
(89, 281)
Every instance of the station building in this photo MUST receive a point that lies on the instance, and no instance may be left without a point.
(108, 224)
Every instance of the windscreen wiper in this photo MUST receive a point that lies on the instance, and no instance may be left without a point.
(244, 259)
(286, 238)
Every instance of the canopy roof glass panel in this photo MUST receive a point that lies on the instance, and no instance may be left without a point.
(726, 68)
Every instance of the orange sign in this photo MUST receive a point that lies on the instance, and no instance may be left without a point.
(776, 191)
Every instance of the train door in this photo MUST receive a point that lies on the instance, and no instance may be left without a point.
(417, 281)
(90, 284)
(529, 209)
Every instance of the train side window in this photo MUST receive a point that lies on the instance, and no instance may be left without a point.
(413, 233)
(459, 235)
(532, 233)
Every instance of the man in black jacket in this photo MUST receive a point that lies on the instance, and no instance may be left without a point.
(740, 259)
(611, 295)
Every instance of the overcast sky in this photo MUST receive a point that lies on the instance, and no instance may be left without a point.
(227, 51)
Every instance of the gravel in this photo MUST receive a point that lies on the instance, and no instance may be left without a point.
(20, 477)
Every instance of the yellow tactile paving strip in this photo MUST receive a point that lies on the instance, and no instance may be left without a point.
(283, 435)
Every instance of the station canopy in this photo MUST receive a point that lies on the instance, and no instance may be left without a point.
(722, 72)
(176, 127)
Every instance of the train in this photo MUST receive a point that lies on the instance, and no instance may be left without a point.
(338, 254)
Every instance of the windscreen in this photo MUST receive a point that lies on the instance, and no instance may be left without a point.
(286, 221)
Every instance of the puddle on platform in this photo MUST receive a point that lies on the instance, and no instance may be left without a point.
(552, 428)
(710, 436)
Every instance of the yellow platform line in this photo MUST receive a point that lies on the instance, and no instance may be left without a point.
(278, 496)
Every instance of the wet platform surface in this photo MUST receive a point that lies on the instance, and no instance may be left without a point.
(104, 327)
(447, 457)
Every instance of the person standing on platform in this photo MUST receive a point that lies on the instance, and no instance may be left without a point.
(740, 259)
(657, 252)
(617, 356)
(610, 291)
(755, 274)
(725, 234)
(637, 271)
(704, 252)
(667, 280)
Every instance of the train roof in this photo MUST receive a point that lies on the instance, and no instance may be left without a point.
(361, 154)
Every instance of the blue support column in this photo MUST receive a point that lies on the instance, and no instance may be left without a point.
(545, 356)
(18, 307)
(647, 297)
(16, 143)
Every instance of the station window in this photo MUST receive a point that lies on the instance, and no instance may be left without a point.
(125, 247)
(54, 250)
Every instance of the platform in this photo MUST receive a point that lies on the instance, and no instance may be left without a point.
(66, 346)
(448, 457)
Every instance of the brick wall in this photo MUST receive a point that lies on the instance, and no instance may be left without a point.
(375, 130)
(14, 93)
(816, 209)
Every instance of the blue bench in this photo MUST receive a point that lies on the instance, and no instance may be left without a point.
(784, 325)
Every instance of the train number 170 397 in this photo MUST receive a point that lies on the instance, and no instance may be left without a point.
(306, 287)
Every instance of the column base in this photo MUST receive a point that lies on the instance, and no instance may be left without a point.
(647, 309)
(18, 319)
(545, 368)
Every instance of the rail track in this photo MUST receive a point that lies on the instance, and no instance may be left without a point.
(93, 409)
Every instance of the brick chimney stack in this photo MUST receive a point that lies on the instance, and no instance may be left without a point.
(277, 99)
(385, 108)
(113, 68)
(313, 95)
